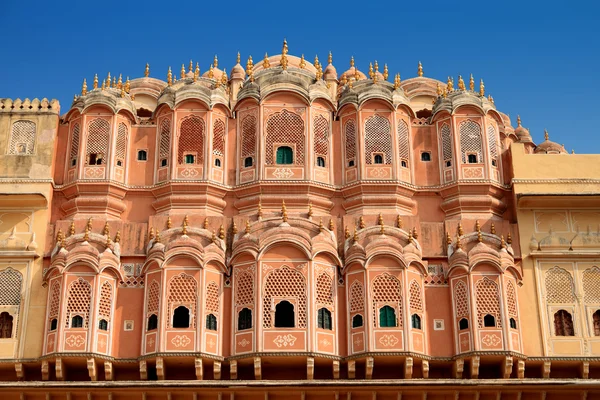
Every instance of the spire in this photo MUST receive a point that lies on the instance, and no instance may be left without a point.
(518, 120)
(361, 222)
(284, 60)
(502, 242)
(493, 229)
(310, 210)
(247, 228)
(205, 223)
(197, 72)
(321, 227)
(352, 62)
(330, 58)
(284, 215)
(147, 70)
(259, 212)
(460, 229)
(399, 222)
(371, 73)
(84, 88)
(331, 226)
(182, 73)
(471, 83)
(420, 69)
(355, 236)
(169, 222)
(72, 228)
(508, 238)
(319, 69)
(481, 88)
(224, 77)
(238, 58)
(397, 81)
(461, 83)
(385, 72)
(221, 232)
(211, 72)
(151, 234)
(546, 136)
(302, 62)
(114, 82)
(234, 228)
(380, 219)
(184, 225)
(458, 243)
(215, 61)
(120, 81)
(127, 85)
(191, 66)
(439, 90)
(108, 81)
(95, 81)
(249, 67)
(106, 229)
(266, 63)
(169, 77)
(450, 84)
(448, 238)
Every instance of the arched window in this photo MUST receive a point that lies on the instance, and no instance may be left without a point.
(211, 322)
(489, 321)
(350, 139)
(513, 323)
(284, 315)
(77, 321)
(470, 142)
(446, 145)
(415, 321)
(378, 140)
(247, 162)
(404, 164)
(53, 324)
(248, 139)
(97, 141)
(152, 322)
(121, 145)
(285, 127)
(563, 324)
(425, 156)
(190, 159)
(285, 155)
(321, 138)
(324, 318)
(463, 324)
(357, 321)
(472, 158)
(217, 162)
(403, 147)
(6, 325)
(181, 317)
(22, 138)
(191, 141)
(493, 145)
(320, 162)
(378, 159)
(387, 317)
(142, 155)
(596, 318)
(75, 144)
(103, 325)
(244, 319)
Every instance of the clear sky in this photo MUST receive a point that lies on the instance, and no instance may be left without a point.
(538, 59)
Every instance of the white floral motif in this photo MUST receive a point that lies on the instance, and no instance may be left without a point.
(378, 172)
(284, 341)
(189, 173)
(492, 340)
(324, 342)
(283, 173)
(181, 341)
(388, 340)
(75, 341)
(244, 342)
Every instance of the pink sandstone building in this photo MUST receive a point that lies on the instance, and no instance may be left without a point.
(290, 230)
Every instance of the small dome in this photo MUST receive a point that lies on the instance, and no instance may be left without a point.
(549, 147)
(522, 133)
(238, 72)
(330, 72)
(351, 73)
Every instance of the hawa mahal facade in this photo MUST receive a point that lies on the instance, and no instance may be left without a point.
(286, 229)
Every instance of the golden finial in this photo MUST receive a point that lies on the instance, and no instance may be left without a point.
(448, 238)
(120, 81)
(572, 151)
(174, 78)
(343, 80)
(184, 225)
(302, 62)
(211, 72)
(450, 85)
(249, 66)
(350, 84)
(458, 243)
(410, 236)
(59, 236)
(284, 211)
(438, 89)
(414, 233)
(380, 219)
(316, 63)
(330, 58)
(107, 244)
(197, 72)
(114, 82)
(399, 222)
(221, 232)
(420, 69)
(477, 226)
(106, 229)
(86, 235)
(108, 80)
(479, 237)
(247, 230)
(518, 120)
(259, 211)
(471, 83)
(157, 237)
(169, 222)
(182, 72)
(284, 51)
(169, 77)
(481, 88)
(376, 66)
(397, 81)
(127, 85)
(147, 70)
(266, 63)
(205, 223)
(234, 228)
(508, 238)
(224, 77)
(190, 66)
(546, 136)
(445, 93)
(352, 62)
(151, 234)
(461, 83)
(381, 229)
(361, 222)
(310, 210)
(502, 242)
(493, 229)
(331, 226)
(355, 236)
(237, 60)
(460, 229)
(346, 233)
(321, 227)
(95, 81)
(215, 61)
(72, 228)
(84, 88)
(320, 72)
(122, 94)
(356, 74)
(385, 72)
(371, 73)
(89, 224)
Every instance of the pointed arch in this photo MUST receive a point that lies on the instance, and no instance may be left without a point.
(79, 301)
(22, 138)
(285, 128)
(350, 142)
(97, 139)
(403, 145)
(470, 142)
(386, 290)
(191, 141)
(378, 140)
(487, 299)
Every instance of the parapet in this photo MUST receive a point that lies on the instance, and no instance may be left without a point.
(30, 106)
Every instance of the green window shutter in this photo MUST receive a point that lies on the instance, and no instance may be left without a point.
(285, 155)
(391, 317)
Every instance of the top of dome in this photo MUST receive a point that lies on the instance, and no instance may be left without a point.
(238, 72)
(353, 73)
(330, 71)
(214, 72)
(549, 147)
(522, 133)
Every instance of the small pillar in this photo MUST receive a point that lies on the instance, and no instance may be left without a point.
(408, 368)
(310, 368)
(233, 369)
(475, 367)
(160, 368)
(257, 368)
(351, 369)
(336, 369)
(45, 370)
(584, 370)
(458, 367)
(521, 369)
(507, 366)
(92, 369)
(546, 369)
(60, 370)
(143, 370)
(198, 367)
(425, 369)
(217, 370)
(370, 364)
(20, 371)
(108, 371)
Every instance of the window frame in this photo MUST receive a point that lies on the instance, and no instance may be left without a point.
(138, 155)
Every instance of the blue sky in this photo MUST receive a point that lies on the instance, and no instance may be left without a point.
(539, 60)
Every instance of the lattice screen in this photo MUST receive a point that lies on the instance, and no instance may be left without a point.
(54, 300)
(350, 135)
(288, 128)
(511, 300)
(387, 289)
(165, 138)
(79, 301)
(191, 139)
(10, 287)
(446, 143)
(378, 139)
(321, 136)
(244, 289)
(461, 300)
(75, 143)
(121, 146)
(285, 282)
(591, 285)
(416, 301)
(97, 138)
(104, 306)
(491, 132)
(559, 286)
(219, 138)
(403, 149)
(22, 138)
(324, 290)
(249, 137)
(488, 300)
(153, 297)
(357, 297)
(470, 140)
(212, 297)
(182, 292)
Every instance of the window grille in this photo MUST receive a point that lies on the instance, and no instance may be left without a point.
(153, 297)
(285, 282)
(244, 289)
(97, 140)
(511, 300)
(386, 288)
(78, 301)
(324, 290)
(165, 139)
(121, 147)
(191, 140)
(219, 138)
(559, 286)
(446, 143)
(461, 300)
(357, 297)
(75, 144)
(106, 296)
(249, 136)
(321, 136)
(378, 139)
(10, 287)
(493, 144)
(470, 140)
(183, 290)
(54, 300)
(22, 138)
(212, 297)
(416, 302)
(286, 128)
(403, 149)
(350, 135)
(591, 285)
(488, 301)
